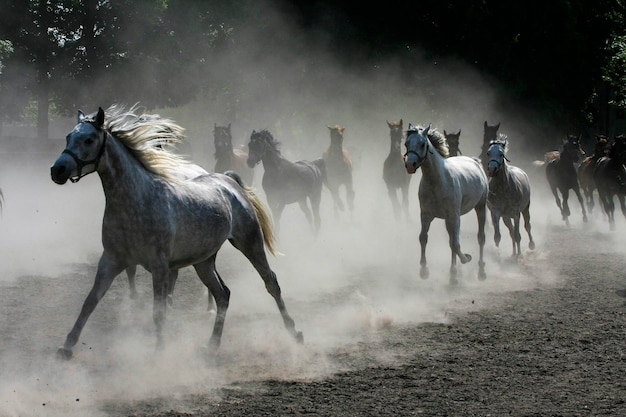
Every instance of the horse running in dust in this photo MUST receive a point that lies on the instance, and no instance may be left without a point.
(394, 173)
(587, 167)
(610, 178)
(338, 169)
(155, 219)
(509, 195)
(460, 182)
(286, 182)
(229, 158)
(562, 176)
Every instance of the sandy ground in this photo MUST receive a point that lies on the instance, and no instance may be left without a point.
(542, 336)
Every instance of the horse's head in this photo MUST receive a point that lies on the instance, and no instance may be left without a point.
(336, 135)
(572, 148)
(84, 148)
(416, 144)
(601, 147)
(260, 143)
(496, 155)
(453, 141)
(222, 138)
(490, 132)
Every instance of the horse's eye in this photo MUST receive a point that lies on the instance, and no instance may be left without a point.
(89, 141)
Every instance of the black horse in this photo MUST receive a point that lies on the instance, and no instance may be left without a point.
(394, 172)
(286, 182)
(609, 176)
(562, 176)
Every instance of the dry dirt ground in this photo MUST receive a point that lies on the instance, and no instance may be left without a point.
(542, 336)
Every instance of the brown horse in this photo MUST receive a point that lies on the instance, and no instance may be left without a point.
(338, 169)
(453, 143)
(228, 158)
(586, 168)
(394, 173)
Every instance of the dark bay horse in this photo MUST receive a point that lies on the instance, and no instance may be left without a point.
(453, 142)
(394, 172)
(586, 168)
(449, 188)
(509, 195)
(286, 182)
(155, 219)
(490, 133)
(338, 169)
(229, 158)
(562, 176)
(610, 178)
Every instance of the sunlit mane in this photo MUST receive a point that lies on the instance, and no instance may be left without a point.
(149, 137)
(435, 137)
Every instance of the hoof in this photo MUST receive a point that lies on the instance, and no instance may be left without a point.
(531, 245)
(482, 275)
(468, 258)
(584, 219)
(299, 338)
(63, 353)
(424, 272)
(454, 282)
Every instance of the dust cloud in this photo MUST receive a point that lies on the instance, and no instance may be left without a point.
(345, 287)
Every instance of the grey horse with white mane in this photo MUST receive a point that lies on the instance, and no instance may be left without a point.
(509, 195)
(155, 219)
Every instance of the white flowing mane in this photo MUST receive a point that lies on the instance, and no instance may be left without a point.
(436, 138)
(150, 139)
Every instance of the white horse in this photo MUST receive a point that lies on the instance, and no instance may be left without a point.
(155, 219)
(449, 188)
(509, 195)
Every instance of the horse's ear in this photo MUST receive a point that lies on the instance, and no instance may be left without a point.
(485, 125)
(329, 127)
(498, 126)
(425, 132)
(400, 122)
(445, 133)
(459, 132)
(100, 118)
(229, 127)
(81, 116)
(388, 124)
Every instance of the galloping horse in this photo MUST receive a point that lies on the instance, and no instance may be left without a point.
(586, 168)
(610, 178)
(228, 158)
(490, 133)
(562, 176)
(338, 169)
(449, 188)
(509, 195)
(453, 142)
(286, 182)
(155, 219)
(394, 173)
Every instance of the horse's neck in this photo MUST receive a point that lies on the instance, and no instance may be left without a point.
(394, 146)
(121, 173)
(434, 167)
(225, 153)
(272, 160)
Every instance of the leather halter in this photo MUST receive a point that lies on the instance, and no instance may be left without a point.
(81, 163)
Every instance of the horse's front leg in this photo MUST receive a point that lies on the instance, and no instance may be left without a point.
(108, 269)
(495, 220)
(481, 215)
(426, 221)
(453, 226)
(131, 272)
(405, 201)
(395, 204)
(161, 283)
(527, 226)
(513, 227)
(307, 212)
(565, 212)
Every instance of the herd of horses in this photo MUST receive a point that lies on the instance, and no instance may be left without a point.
(164, 213)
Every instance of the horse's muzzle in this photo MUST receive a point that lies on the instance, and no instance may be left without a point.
(60, 173)
(410, 165)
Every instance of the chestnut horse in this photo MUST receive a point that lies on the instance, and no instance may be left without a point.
(338, 169)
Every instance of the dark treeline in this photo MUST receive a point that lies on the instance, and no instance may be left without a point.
(564, 59)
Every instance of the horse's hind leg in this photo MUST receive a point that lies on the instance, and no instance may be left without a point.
(513, 227)
(315, 199)
(108, 269)
(252, 247)
(307, 213)
(495, 220)
(350, 193)
(211, 279)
